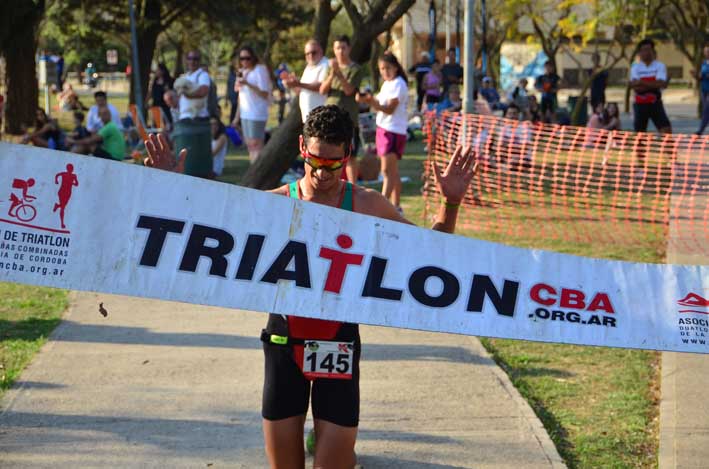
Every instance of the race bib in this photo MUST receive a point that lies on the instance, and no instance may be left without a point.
(324, 359)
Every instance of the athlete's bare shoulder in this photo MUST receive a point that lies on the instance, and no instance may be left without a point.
(283, 190)
(371, 202)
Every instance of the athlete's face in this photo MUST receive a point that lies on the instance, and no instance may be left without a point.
(322, 179)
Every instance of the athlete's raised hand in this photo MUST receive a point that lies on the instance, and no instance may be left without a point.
(453, 183)
(160, 155)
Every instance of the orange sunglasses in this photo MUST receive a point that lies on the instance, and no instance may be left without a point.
(328, 164)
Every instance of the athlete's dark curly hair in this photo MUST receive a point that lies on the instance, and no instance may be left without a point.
(330, 124)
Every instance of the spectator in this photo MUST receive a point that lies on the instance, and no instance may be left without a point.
(392, 121)
(253, 83)
(59, 61)
(598, 119)
(598, 82)
(47, 133)
(491, 95)
(432, 82)
(161, 83)
(219, 145)
(108, 143)
(703, 77)
(647, 78)
(533, 112)
(93, 121)
(193, 89)
(231, 93)
(281, 72)
(452, 72)
(519, 96)
(68, 99)
(315, 73)
(340, 87)
(419, 71)
(549, 84)
(612, 117)
(452, 102)
(515, 140)
(79, 131)
(173, 104)
(192, 130)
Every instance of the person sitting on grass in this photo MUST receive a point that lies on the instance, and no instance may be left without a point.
(107, 143)
(79, 131)
(47, 133)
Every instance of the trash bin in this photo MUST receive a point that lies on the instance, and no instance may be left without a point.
(582, 118)
(196, 136)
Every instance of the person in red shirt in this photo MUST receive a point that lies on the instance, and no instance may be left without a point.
(648, 78)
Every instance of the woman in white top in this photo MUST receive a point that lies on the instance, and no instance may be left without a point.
(392, 121)
(219, 145)
(253, 84)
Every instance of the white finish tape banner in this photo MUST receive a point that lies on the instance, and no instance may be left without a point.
(89, 224)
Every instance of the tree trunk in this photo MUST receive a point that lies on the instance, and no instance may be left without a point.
(179, 54)
(323, 19)
(148, 31)
(278, 154)
(21, 74)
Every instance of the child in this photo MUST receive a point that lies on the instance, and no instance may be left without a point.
(79, 128)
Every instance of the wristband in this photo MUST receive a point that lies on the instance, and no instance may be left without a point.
(450, 205)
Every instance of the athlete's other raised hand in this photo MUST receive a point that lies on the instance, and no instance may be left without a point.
(453, 183)
(160, 155)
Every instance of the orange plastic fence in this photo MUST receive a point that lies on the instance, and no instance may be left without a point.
(577, 185)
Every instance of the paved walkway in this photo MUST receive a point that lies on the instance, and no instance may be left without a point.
(684, 408)
(158, 384)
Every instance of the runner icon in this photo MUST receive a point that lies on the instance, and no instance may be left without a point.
(68, 180)
(20, 208)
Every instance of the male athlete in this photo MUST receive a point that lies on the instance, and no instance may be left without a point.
(325, 146)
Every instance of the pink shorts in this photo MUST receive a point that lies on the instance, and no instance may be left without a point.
(389, 142)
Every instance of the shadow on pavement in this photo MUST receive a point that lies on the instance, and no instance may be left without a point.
(106, 334)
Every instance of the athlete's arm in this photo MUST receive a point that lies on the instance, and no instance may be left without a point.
(160, 155)
(452, 185)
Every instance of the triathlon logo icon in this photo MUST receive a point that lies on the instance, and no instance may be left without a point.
(20, 206)
(27, 210)
(68, 181)
(697, 303)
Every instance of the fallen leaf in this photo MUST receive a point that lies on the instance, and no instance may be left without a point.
(102, 310)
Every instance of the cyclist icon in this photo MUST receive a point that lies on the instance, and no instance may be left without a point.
(20, 207)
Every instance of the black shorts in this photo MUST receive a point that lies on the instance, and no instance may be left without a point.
(286, 391)
(645, 112)
(548, 103)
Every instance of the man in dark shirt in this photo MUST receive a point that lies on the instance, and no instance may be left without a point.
(598, 83)
(549, 85)
(452, 72)
(420, 70)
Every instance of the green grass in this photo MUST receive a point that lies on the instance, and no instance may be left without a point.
(27, 316)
